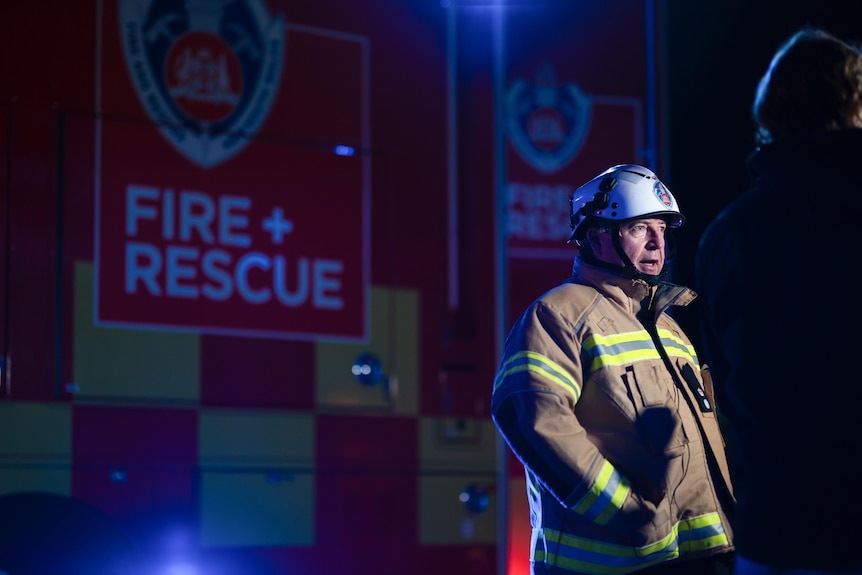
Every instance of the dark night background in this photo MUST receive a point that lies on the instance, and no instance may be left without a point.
(714, 53)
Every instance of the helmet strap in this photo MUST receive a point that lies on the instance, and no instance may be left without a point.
(628, 269)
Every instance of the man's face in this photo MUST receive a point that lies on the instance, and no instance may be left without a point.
(643, 241)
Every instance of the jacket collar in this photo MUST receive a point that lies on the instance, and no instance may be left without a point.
(632, 294)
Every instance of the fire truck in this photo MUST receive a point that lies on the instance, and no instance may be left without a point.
(257, 261)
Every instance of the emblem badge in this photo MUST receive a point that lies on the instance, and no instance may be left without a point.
(662, 194)
(206, 72)
(547, 123)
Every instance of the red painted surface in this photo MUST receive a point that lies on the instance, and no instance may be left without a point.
(371, 75)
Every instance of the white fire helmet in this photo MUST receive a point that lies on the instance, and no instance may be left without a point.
(621, 193)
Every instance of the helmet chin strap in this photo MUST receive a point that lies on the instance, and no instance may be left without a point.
(628, 269)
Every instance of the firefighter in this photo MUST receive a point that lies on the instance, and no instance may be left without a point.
(601, 396)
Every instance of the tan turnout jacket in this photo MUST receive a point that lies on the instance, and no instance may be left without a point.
(615, 424)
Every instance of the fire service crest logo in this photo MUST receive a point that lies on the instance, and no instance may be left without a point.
(206, 71)
(547, 123)
(662, 194)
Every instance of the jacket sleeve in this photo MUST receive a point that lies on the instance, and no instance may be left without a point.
(536, 389)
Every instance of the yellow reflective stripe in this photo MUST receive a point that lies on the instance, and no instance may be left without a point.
(599, 558)
(619, 349)
(605, 496)
(596, 557)
(623, 358)
(676, 347)
(616, 339)
(702, 532)
(630, 347)
(540, 365)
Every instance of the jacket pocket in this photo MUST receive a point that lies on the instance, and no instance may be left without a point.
(649, 393)
(656, 415)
